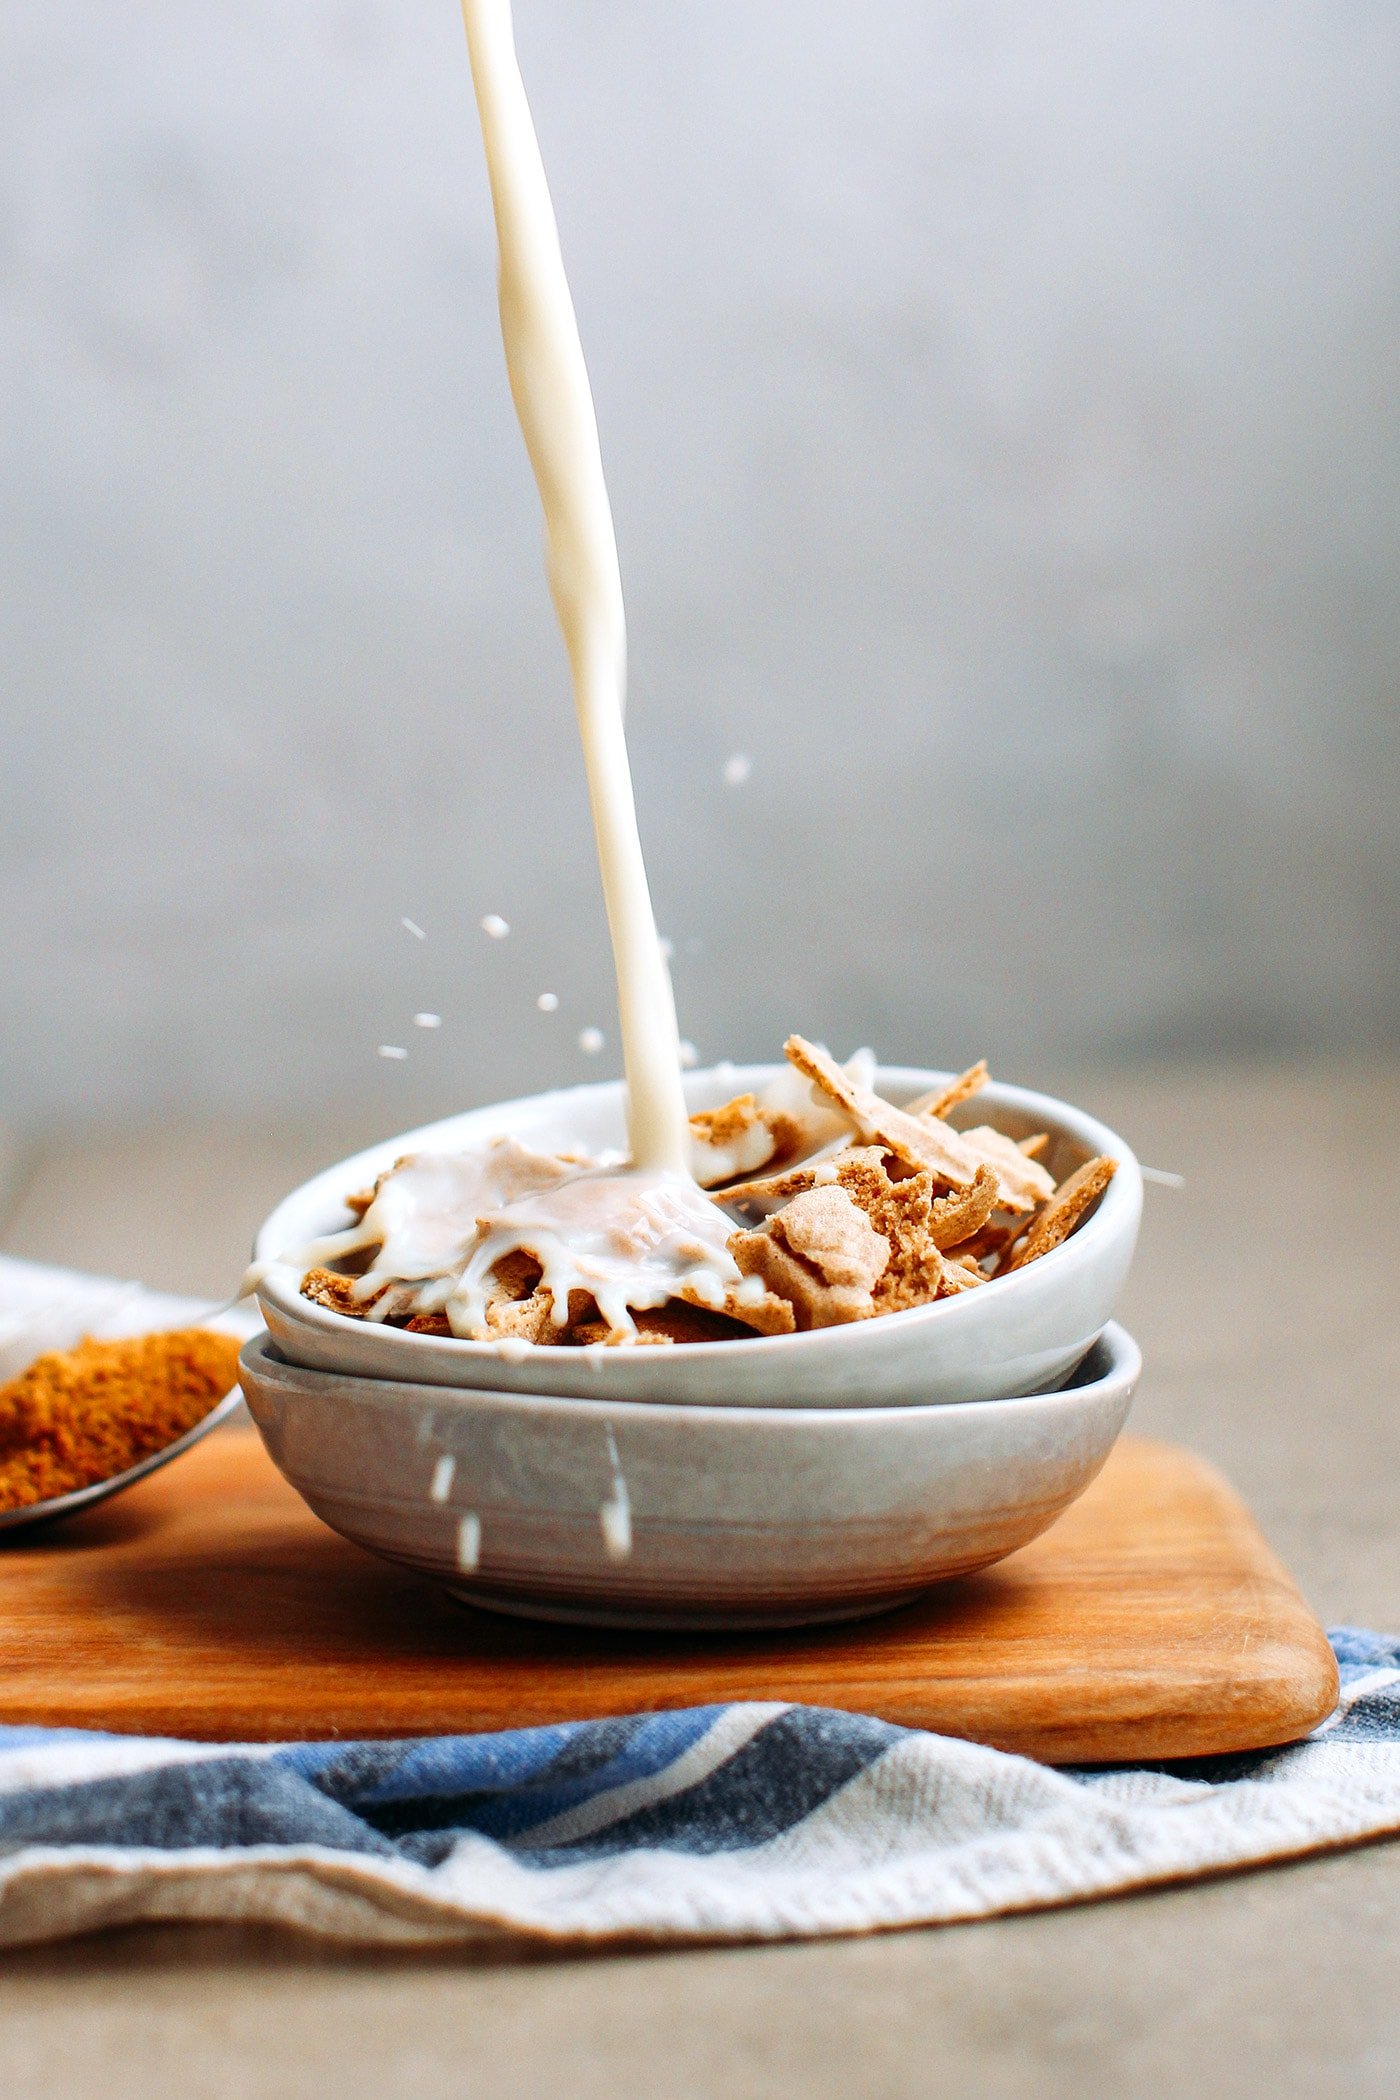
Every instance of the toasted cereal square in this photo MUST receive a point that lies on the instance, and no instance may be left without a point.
(1066, 1209)
(529, 1319)
(675, 1321)
(918, 1143)
(1024, 1182)
(739, 1137)
(960, 1275)
(337, 1293)
(898, 1207)
(944, 1099)
(914, 1277)
(515, 1275)
(763, 1314)
(813, 1302)
(958, 1216)
(596, 1334)
(832, 1233)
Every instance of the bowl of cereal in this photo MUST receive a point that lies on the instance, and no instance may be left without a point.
(853, 1236)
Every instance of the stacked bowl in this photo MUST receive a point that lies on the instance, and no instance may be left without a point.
(774, 1481)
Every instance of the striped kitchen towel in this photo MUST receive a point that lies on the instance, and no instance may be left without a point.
(741, 1822)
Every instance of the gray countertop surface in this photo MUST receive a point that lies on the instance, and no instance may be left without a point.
(1267, 1299)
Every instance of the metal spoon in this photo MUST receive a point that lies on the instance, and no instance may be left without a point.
(79, 1304)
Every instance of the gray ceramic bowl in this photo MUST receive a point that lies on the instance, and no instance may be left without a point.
(1021, 1335)
(643, 1514)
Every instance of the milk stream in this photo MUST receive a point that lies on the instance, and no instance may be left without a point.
(549, 383)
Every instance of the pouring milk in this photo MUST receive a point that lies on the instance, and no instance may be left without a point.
(549, 383)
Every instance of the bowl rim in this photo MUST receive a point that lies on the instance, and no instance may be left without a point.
(1123, 1367)
(1119, 1206)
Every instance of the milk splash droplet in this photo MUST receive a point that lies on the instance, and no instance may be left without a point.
(394, 1051)
(737, 769)
(443, 1473)
(469, 1543)
(412, 926)
(427, 1020)
(548, 1002)
(591, 1041)
(615, 1516)
(689, 1055)
(494, 926)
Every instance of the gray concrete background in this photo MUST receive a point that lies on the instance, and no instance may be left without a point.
(999, 404)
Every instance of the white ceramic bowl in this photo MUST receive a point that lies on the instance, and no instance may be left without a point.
(1023, 1334)
(643, 1514)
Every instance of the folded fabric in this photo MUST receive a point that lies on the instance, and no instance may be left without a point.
(46, 1308)
(739, 1822)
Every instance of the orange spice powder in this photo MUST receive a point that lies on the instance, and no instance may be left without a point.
(80, 1415)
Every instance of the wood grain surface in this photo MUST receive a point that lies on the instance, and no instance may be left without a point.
(1152, 1621)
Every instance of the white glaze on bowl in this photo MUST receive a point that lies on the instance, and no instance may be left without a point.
(1020, 1335)
(737, 1516)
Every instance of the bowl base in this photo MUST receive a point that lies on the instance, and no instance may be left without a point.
(638, 1618)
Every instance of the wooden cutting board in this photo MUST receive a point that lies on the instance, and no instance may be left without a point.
(1152, 1621)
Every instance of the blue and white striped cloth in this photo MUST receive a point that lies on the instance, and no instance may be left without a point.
(738, 1822)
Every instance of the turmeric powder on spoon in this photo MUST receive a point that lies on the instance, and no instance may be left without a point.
(79, 1416)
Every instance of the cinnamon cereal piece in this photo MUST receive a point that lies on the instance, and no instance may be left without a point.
(1060, 1216)
(520, 1306)
(429, 1323)
(899, 1209)
(960, 1276)
(993, 1239)
(529, 1319)
(675, 1322)
(915, 1276)
(763, 1315)
(517, 1304)
(938, 1103)
(821, 1253)
(770, 1189)
(1033, 1146)
(594, 1334)
(918, 1143)
(832, 1233)
(895, 1206)
(738, 1138)
(1024, 1182)
(515, 1275)
(953, 1157)
(957, 1217)
(812, 1302)
(325, 1287)
(337, 1293)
